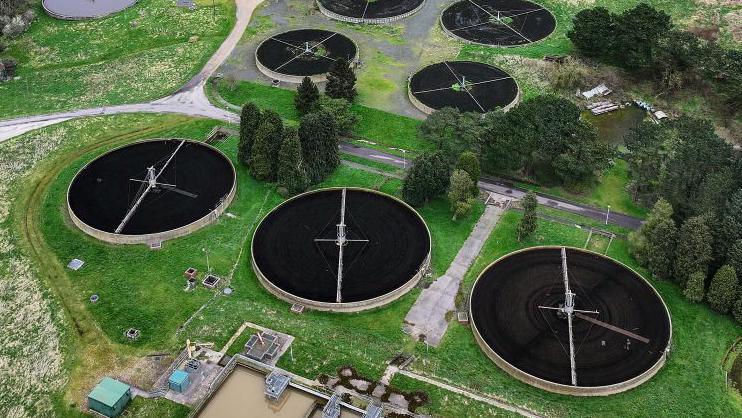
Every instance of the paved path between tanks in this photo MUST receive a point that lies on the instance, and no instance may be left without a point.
(485, 399)
(428, 315)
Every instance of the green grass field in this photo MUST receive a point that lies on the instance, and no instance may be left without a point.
(150, 297)
(693, 371)
(145, 52)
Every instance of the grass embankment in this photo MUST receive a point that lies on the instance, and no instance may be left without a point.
(37, 158)
(384, 130)
(148, 294)
(145, 52)
(692, 373)
(607, 190)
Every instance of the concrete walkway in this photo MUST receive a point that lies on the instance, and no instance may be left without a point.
(428, 315)
(486, 399)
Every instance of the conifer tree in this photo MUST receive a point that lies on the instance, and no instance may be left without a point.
(319, 145)
(694, 249)
(291, 173)
(723, 289)
(307, 96)
(341, 81)
(529, 222)
(250, 119)
(695, 287)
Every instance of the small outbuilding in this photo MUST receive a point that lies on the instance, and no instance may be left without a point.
(179, 381)
(109, 397)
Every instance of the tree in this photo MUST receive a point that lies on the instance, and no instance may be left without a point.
(728, 229)
(427, 178)
(737, 310)
(593, 31)
(454, 132)
(734, 256)
(340, 109)
(263, 158)
(291, 173)
(13, 7)
(695, 287)
(529, 222)
(723, 289)
(656, 238)
(307, 95)
(459, 191)
(695, 147)
(694, 249)
(469, 162)
(341, 81)
(648, 147)
(637, 34)
(250, 119)
(319, 144)
(502, 149)
(557, 143)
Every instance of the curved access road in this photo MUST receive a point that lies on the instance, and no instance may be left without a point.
(188, 100)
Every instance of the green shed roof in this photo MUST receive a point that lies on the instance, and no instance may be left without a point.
(109, 391)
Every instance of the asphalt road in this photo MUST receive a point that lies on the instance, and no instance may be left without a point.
(498, 185)
(191, 100)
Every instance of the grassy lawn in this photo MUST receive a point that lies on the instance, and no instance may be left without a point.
(700, 340)
(149, 296)
(608, 190)
(384, 130)
(143, 53)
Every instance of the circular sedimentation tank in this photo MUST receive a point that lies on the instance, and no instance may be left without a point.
(297, 252)
(621, 328)
(85, 9)
(369, 11)
(151, 191)
(291, 56)
(498, 22)
(465, 85)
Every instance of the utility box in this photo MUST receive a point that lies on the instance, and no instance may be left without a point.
(109, 397)
(179, 381)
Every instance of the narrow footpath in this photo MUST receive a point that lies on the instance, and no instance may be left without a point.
(428, 315)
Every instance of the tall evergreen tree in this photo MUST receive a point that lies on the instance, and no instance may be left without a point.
(345, 118)
(694, 149)
(723, 289)
(694, 249)
(341, 81)
(737, 309)
(695, 287)
(660, 234)
(529, 222)
(427, 178)
(291, 173)
(307, 96)
(459, 193)
(263, 157)
(319, 144)
(728, 229)
(469, 162)
(593, 32)
(250, 118)
(734, 256)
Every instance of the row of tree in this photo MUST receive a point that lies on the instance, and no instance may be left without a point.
(687, 255)
(542, 138)
(642, 40)
(294, 158)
